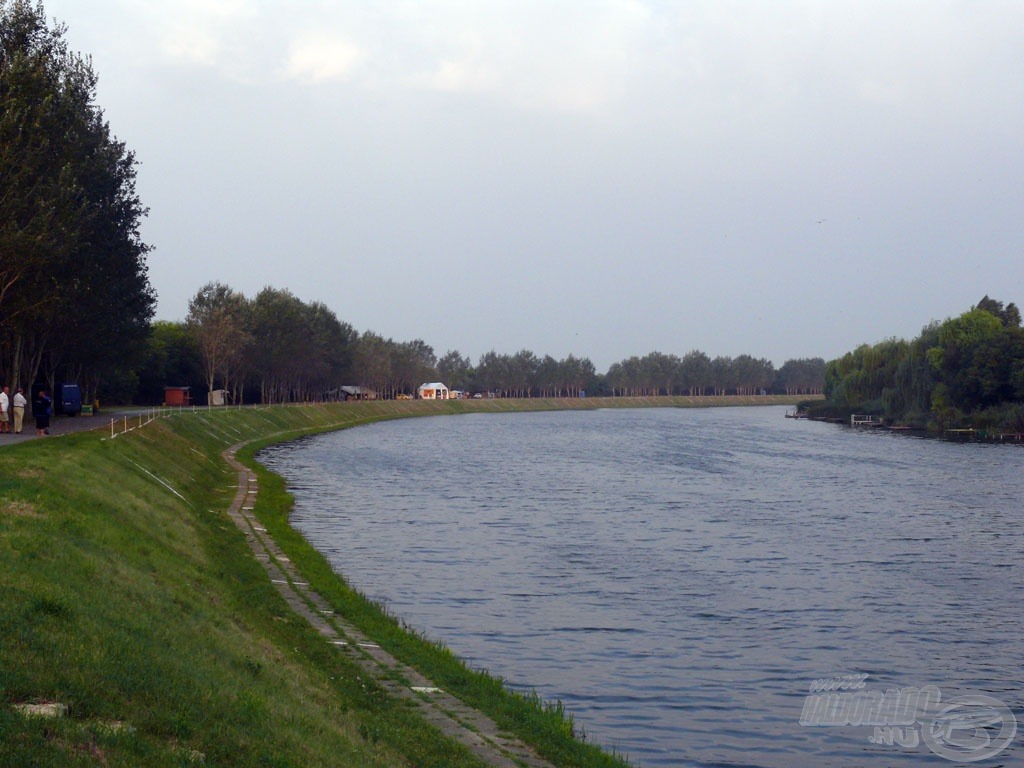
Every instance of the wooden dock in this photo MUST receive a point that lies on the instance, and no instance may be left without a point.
(865, 420)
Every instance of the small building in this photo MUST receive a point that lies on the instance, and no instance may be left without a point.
(433, 391)
(217, 397)
(355, 393)
(177, 396)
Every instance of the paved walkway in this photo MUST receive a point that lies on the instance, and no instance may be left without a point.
(59, 425)
(450, 715)
(65, 425)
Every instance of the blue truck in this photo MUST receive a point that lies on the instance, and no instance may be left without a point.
(71, 399)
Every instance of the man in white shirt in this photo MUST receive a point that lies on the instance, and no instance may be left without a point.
(5, 406)
(18, 406)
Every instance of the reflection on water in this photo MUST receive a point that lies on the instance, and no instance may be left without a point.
(678, 578)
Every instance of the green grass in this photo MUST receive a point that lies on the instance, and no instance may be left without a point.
(130, 597)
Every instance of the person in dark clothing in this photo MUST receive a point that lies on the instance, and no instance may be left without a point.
(41, 410)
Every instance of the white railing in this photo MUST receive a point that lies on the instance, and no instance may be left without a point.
(120, 425)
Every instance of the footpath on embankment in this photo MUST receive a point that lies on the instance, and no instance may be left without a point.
(479, 733)
(133, 607)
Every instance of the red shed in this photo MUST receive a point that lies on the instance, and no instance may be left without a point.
(177, 396)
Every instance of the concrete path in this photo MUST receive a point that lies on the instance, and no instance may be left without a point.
(450, 715)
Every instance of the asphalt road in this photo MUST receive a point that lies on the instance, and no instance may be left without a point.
(61, 425)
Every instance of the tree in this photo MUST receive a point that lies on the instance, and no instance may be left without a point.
(750, 376)
(973, 358)
(216, 316)
(577, 374)
(172, 359)
(455, 370)
(493, 372)
(373, 362)
(805, 376)
(659, 373)
(695, 372)
(287, 359)
(335, 343)
(1008, 315)
(35, 203)
(967, 369)
(720, 376)
(73, 280)
(547, 377)
(523, 368)
(625, 376)
(413, 363)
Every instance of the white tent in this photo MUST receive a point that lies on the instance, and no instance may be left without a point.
(433, 391)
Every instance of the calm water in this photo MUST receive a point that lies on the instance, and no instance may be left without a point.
(678, 578)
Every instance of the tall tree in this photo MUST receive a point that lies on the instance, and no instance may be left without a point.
(577, 374)
(73, 276)
(492, 372)
(1008, 315)
(335, 342)
(695, 372)
(523, 367)
(547, 377)
(285, 359)
(217, 317)
(413, 363)
(373, 363)
(455, 370)
(801, 377)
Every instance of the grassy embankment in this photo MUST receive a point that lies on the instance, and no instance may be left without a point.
(130, 598)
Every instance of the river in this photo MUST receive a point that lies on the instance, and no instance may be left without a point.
(679, 578)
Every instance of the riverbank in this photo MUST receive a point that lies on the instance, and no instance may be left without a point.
(133, 605)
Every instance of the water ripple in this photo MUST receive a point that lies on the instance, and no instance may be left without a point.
(679, 577)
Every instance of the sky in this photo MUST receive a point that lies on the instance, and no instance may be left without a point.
(602, 178)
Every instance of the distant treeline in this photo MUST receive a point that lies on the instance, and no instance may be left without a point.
(276, 348)
(965, 372)
(697, 374)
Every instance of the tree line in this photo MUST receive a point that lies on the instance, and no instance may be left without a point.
(698, 374)
(75, 300)
(967, 371)
(276, 348)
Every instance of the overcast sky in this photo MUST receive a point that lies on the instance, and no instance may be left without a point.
(784, 179)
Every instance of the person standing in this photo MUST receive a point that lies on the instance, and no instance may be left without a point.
(18, 404)
(41, 410)
(5, 408)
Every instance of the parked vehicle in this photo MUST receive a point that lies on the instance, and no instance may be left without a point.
(71, 399)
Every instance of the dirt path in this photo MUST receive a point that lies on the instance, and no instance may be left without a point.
(450, 715)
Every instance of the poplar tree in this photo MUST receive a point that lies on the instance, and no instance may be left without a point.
(75, 299)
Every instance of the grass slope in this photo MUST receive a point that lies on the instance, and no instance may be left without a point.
(129, 597)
